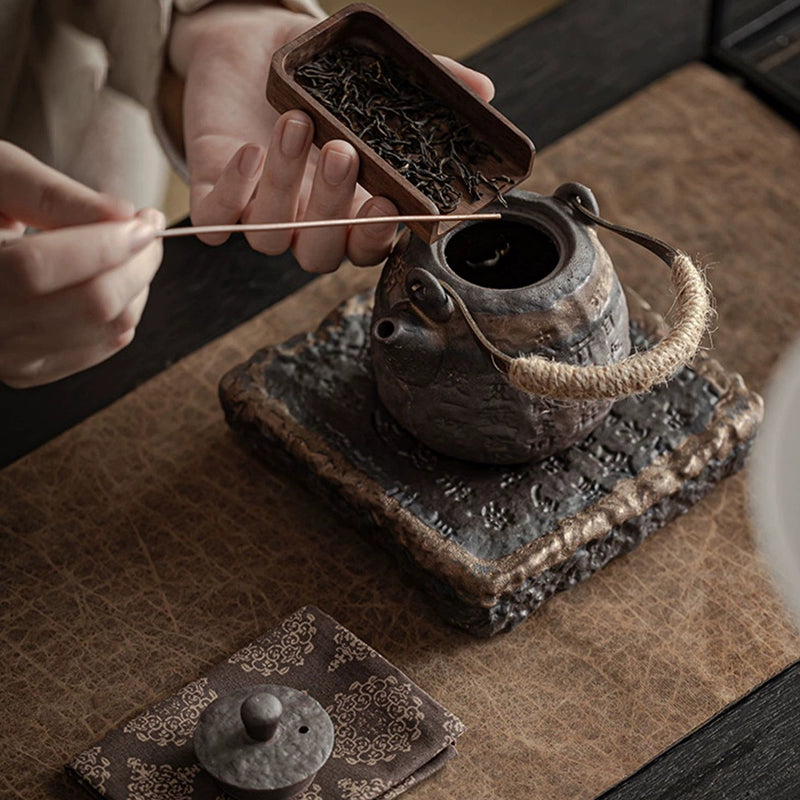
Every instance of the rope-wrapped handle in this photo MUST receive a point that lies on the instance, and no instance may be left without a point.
(638, 372)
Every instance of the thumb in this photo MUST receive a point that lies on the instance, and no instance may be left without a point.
(479, 83)
(44, 198)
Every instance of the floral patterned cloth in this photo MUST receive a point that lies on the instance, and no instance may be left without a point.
(389, 734)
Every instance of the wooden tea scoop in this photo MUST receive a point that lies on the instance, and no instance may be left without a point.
(320, 223)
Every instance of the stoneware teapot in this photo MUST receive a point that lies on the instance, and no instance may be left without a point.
(263, 742)
(464, 329)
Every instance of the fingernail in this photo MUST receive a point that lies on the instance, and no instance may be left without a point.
(294, 137)
(141, 234)
(336, 166)
(250, 161)
(152, 216)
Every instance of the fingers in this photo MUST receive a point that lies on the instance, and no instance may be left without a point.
(225, 201)
(10, 229)
(226, 118)
(100, 301)
(69, 347)
(369, 244)
(322, 249)
(43, 263)
(42, 197)
(279, 190)
(479, 83)
(48, 335)
(292, 186)
(56, 366)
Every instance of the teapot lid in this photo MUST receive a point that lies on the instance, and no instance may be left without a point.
(263, 738)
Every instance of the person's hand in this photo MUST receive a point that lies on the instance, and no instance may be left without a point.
(71, 294)
(249, 164)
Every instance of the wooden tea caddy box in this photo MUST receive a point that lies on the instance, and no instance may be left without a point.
(488, 543)
(360, 24)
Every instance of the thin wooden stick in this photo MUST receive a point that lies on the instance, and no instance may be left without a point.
(320, 223)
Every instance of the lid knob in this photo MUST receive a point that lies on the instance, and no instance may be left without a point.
(261, 713)
(263, 742)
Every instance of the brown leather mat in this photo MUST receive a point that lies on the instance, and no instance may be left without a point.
(145, 545)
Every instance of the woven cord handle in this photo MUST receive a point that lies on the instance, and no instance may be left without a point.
(635, 374)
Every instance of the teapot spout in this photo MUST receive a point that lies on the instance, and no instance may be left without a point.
(403, 345)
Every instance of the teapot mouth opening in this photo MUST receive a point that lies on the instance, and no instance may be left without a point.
(384, 329)
(502, 254)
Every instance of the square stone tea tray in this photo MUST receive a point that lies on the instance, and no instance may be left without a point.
(489, 543)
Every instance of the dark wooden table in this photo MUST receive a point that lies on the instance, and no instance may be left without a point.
(552, 76)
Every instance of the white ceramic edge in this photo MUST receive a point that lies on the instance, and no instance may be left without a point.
(775, 479)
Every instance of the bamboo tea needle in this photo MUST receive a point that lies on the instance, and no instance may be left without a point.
(322, 223)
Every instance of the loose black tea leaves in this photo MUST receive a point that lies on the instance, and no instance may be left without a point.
(403, 123)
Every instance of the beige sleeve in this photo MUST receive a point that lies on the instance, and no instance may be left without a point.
(135, 33)
(69, 66)
(15, 34)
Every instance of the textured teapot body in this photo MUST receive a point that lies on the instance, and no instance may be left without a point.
(536, 282)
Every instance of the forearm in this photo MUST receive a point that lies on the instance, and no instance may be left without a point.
(217, 30)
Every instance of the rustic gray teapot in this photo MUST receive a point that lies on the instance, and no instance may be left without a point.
(537, 280)
(506, 341)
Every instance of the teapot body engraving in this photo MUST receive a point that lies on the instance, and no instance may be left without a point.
(536, 281)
